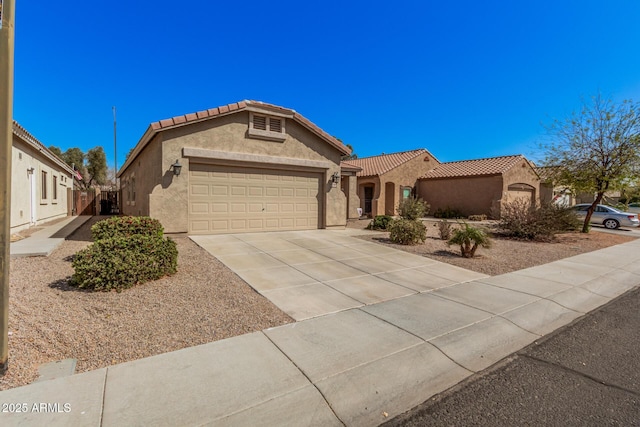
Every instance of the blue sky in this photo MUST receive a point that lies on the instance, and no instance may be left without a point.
(463, 79)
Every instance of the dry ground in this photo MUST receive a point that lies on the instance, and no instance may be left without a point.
(203, 302)
(49, 320)
(505, 255)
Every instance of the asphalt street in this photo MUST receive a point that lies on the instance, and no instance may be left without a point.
(585, 374)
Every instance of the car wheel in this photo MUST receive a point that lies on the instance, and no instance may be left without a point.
(611, 224)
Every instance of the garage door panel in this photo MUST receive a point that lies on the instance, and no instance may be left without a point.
(200, 208)
(219, 207)
(271, 208)
(287, 192)
(256, 191)
(200, 189)
(240, 199)
(272, 191)
(219, 190)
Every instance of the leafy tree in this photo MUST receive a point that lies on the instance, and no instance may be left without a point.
(92, 166)
(56, 150)
(96, 166)
(351, 156)
(596, 149)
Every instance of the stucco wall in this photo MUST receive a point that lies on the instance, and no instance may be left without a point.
(404, 175)
(24, 157)
(147, 171)
(168, 194)
(470, 195)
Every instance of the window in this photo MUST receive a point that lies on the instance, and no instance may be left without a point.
(267, 127)
(406, 193)
(54, 193)
(43, 188)
(133, 189)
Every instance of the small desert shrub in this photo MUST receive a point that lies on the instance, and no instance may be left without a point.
(481, 217)
(413, 208)
(122, 262)
(123, 226)
(523, 220)
(469, 238)
(127, 251)
(407, 232)
(448, 213)
(444, 228)
(380, 222)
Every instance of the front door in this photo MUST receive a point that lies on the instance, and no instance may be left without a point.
(368, 198)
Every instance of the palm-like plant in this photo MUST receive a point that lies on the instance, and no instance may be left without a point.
(469, 238)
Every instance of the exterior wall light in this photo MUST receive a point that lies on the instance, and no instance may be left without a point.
(30, 171)
(176, 168)
(335, 179)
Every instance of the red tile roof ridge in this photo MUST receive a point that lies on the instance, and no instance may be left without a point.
(383, 163)
(232, 108)
(475, 167)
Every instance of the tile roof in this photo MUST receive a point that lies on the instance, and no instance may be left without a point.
(378, 165)
(26, 136)
(235, 107)
(477, 167)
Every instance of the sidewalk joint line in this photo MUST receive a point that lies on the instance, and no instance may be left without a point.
(306, 376)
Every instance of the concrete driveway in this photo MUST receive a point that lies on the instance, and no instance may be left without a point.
(318, 272)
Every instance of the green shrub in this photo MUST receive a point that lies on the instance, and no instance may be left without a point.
(481, 217)
(523, 220)
(380, 222)
(413, 208)
(124, 226)
(444, 228)
(448, 213)
(122, 262)
(407, 232)
(469, 238)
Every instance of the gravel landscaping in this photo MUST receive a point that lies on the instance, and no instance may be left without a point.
(50, 321)
(505, 255)
(203, 302)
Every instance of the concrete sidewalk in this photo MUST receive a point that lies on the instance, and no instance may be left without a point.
(43, 242)
(357, 367)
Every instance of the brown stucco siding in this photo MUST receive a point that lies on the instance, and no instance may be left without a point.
(388, 186)
(146, 170)
(470, 195)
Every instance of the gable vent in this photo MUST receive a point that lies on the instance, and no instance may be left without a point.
(275, 125)
(260, 122)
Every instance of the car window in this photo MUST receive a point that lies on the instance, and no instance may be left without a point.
(601, 209)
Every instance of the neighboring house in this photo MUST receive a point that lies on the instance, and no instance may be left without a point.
(247, 166)
(479, 186)
(385, 180)
(41, 183)
(549, 193)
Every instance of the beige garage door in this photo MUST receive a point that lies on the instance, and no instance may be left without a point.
(230, 199)
(522, 192)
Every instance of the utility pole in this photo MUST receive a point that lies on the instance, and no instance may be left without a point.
(7, 8)
(115, 152)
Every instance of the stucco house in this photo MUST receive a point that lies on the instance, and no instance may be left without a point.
(385, 180)
(41, 183)
(479, 186)
(242, 167)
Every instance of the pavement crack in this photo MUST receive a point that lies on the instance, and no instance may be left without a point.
(580, 374)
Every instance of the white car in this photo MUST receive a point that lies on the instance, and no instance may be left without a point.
(610, 217)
